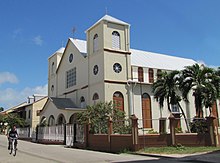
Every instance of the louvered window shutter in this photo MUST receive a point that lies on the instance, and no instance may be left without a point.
(115, 40)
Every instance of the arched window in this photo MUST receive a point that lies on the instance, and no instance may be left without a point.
(53, 68)
(151, 75)
(51, 120)
(118, 100)
(95, 43)
(140, 74)
(52, 89)
(43, 121)
(146, 111)
(95, 98)
(82, 102)
(115, 40)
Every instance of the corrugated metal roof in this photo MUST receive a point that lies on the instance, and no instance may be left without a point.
(109, 19)
(141, 58)
(112, 19)
(80, 44)
(61, 50)
(160, 61)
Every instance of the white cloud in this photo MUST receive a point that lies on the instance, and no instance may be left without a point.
(8, 77)
(11, 97)
(38, 40)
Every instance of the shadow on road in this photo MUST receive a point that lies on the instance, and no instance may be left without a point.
(211, 157)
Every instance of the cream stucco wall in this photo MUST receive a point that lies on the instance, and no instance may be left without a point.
(33, 119)
(52, 77)
(81, 65)
(111, 88)
(123, 32)
(51, 110)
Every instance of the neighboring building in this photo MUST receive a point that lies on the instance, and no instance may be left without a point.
(14, 108)
(104, 68)
(29, 110)
(33, 108)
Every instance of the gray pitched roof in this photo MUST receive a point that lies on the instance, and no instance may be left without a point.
(63, 103)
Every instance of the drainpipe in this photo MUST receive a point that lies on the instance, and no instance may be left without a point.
(130, 101)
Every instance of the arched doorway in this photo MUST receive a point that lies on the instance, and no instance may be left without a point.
(61, 119)
(146, 111)
(73, 127)
(118, 100)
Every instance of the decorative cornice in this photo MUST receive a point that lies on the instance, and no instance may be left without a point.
(75, 90)
(115, 82)
(117, 51)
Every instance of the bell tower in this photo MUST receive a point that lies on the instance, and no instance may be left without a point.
(108, 46)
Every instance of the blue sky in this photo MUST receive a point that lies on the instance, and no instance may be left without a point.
(31, 31)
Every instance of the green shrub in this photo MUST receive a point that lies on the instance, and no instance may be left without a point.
(199, 126)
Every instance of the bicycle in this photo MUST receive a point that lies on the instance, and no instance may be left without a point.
(13, 146)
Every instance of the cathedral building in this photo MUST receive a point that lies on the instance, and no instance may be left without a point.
(104, 68)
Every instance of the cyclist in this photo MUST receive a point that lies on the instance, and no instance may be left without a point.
(12, 134)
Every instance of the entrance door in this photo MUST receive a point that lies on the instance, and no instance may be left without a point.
(118, 100)
(146, 111)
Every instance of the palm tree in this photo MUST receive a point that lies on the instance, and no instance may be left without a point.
(199, 79)
(167, 88)
(212, 90)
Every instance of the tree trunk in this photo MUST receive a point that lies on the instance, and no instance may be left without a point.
(168, 105)
(187, 124)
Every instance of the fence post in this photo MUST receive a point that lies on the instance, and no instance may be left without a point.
(86, 133)
(37, 128)
(110, 129)
(134, 121)
(213, 133)
(64, 131)
(172, 129)
(162, 127)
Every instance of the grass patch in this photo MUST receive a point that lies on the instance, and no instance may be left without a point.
(179, 149)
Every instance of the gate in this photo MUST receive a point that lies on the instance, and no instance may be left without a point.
(74, 134)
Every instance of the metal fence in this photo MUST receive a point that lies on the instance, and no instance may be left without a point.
(24, 132)
(51, 133)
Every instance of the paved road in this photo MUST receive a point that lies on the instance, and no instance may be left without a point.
(37, 153)
(31, 152)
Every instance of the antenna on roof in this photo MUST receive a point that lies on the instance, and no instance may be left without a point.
(106, 11)
(73, 31)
